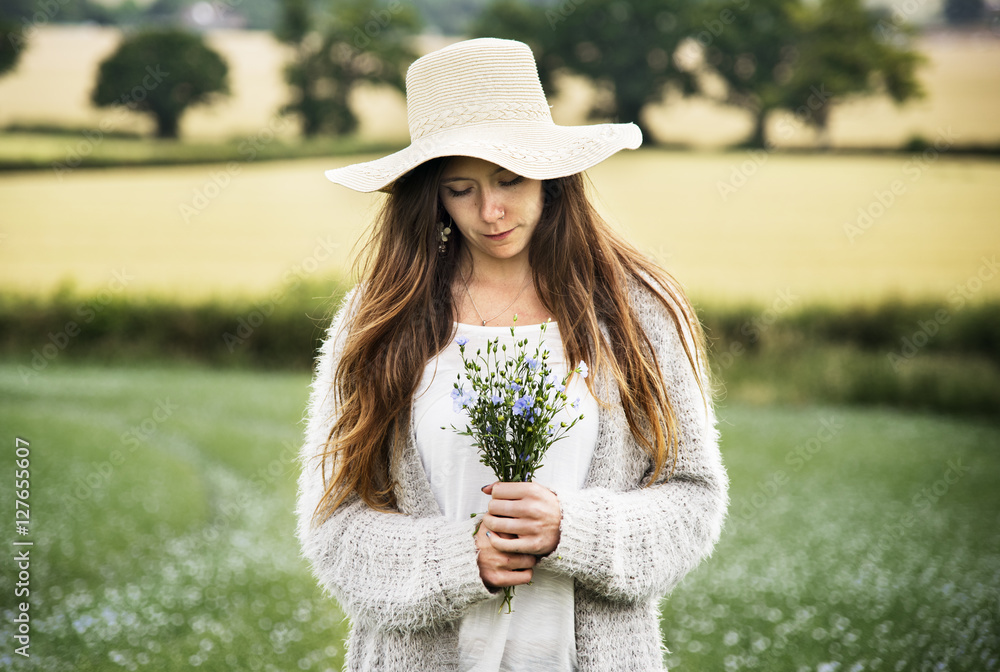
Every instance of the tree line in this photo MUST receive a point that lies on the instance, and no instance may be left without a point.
(804, 57)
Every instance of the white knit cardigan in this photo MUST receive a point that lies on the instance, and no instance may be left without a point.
(406, 579)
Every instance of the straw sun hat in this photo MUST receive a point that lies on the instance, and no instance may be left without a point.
(482, 98)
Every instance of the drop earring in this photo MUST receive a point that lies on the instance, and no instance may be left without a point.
(443, 233)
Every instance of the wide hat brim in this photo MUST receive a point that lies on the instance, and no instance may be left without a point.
(532, 149)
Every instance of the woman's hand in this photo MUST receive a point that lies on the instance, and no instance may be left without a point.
(498, 569)
(523, 518)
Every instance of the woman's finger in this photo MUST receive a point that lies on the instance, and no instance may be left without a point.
(498, 569)
(529, 545)
(515, 561)
(509, 526)
(518, 578)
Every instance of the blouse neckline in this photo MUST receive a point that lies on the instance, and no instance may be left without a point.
(521, 328)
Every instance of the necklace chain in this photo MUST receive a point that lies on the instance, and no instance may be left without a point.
(480, 315)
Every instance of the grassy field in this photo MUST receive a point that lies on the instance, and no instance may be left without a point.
(806, 228)
(857, 539)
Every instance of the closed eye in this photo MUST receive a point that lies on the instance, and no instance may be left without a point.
(512, 183)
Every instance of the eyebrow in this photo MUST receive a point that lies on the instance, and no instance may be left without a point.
(499, 169)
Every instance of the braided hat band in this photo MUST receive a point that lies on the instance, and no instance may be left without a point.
(482, 98)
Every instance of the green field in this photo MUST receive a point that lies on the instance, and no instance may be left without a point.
(162, 521)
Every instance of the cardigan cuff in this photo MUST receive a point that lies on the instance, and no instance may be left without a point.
(458, 570)
(582, 544)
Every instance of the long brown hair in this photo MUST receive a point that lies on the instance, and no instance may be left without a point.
(404, 316)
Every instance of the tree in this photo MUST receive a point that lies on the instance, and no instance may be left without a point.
(787, 54)
(517, 20)
(11, 46)
(846, 52)
(15, 29)
(162, 72)
(361, 41)
(625, 48)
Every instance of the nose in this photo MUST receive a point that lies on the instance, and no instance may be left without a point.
(492, 208)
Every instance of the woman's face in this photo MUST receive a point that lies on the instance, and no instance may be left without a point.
(496, 210)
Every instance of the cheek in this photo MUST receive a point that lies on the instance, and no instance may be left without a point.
(454, 209)
(462, 216)
(537, 204)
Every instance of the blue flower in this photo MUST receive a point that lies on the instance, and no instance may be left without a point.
(461, 399)
(532, 363)
(514, 386)
(461, 340)
(496, 398)
(524, 406)
(582, 368)
(553, 380)
(576, 402)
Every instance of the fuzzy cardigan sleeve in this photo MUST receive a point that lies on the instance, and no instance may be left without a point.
(631, 543)
(387, 570)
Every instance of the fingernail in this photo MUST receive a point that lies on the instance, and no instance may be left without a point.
(487, 533)
(484, 487)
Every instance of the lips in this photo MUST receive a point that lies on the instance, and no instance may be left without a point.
(499, 236)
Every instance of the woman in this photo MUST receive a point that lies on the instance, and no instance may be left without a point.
(487, 218)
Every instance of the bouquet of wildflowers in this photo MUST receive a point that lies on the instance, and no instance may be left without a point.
(511, 401)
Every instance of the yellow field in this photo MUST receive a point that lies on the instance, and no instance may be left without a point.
(782, 224)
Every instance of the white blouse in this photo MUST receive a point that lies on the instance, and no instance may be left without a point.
(539, 633)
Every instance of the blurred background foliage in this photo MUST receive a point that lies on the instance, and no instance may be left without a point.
(791, 55)
(861, 355)
(778, 54)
